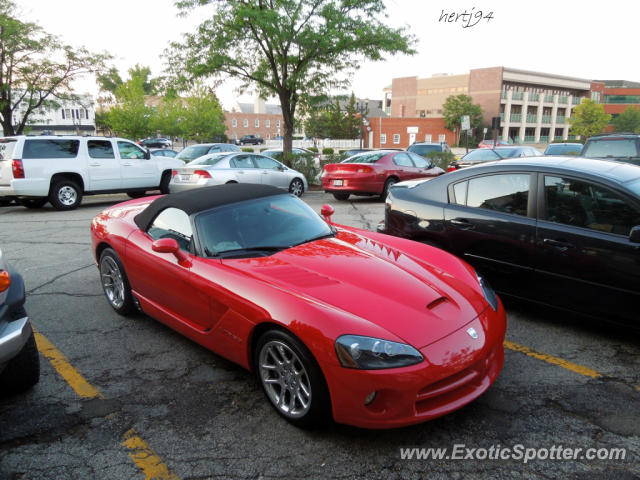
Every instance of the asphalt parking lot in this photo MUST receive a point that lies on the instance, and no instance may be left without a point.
(130, 399)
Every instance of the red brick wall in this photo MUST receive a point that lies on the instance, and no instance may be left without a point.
(239, 130)
(485, 86)
(403, 96)
(392, 126)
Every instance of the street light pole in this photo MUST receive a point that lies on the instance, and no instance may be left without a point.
(362, 109)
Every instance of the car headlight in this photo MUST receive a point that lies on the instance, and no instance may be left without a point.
(488, 292)
(370, 353)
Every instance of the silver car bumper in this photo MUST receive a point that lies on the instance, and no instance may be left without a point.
(13, 337)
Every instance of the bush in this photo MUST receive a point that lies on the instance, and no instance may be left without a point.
(263, 149)
(247, 149)
(305, 163)
(327, 151)
(441, 159)
(313, 149)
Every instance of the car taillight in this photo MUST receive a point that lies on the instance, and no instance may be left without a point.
(451, 168)
(17, 168)
(202, 173)
(364, 170)
(5, 281)
(174, 173)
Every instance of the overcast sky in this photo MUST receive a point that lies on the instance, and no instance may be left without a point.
(566, 37)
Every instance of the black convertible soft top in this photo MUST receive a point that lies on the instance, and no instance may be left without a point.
(200, 199)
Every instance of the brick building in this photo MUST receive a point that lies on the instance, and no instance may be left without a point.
(392, 132)
(257, 118)
(618, 95)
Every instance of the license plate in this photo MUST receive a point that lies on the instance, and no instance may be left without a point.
(185, 178)
(337, 183)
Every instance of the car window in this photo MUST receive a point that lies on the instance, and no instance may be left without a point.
(623, 147)
(482, 154)
(508, 193)
(588, 205)
(242, 161)
(509, 152)
(266, 162)
(460, 192)
(419, 161)
(173, 223)
(215, 148)
(192, 152)
(563, 150)
(367, 157)
(208, 159)
(50, 149)
(403, 160)
(129, 150)
(100, 149)
(424, 150)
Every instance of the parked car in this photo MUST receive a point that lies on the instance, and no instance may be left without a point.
(489, 143)
(372, 173)
(251, 140)
(346, 154)
(195, 151)
(276, 153)
(35, 170)
(163, 152)
(425, 148)
(220, 168)
(562, 231)
(335, 321)
(624, 147)
(157, 142)
(563, 149)
(19, 359)
(483, 155)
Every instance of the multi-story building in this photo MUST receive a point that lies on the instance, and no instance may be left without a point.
(70, 118)
(534, 107)
(620, 95)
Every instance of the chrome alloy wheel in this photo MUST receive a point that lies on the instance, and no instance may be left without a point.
(297, 187)
(285, 379)
(112, 282)
(67, 195)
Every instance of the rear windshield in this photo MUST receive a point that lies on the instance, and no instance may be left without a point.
(563, 150)
(482, 154)
(366, 157)
(192, 152)
(615, 148)
(50, 148)
(209, 159)
(424, 149)
(6, 148)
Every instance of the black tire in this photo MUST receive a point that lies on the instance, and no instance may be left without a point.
(23, 370)
(296, 187)
(341, 196)
(112, 272)
(33, 202)
(318, 411)
(136, 194)
(390, 181)
(5, 201)
(164, 182)
(65, 195)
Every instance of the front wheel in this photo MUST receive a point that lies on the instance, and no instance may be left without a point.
(23, 370)
(115, 283)
(291, 379)
(65, 195)
(296, 187)
(341, 196)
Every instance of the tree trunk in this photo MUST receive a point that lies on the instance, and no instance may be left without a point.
(7, 126)
(287, 116)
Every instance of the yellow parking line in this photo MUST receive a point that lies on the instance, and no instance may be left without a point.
(65, 369)
(146, 459)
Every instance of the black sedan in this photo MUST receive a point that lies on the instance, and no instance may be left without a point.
(483, 155)
(561, 231)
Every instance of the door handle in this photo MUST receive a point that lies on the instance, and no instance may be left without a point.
(95, 164)
(462, 223)
(265, 173)
(557, 244)
(127, 164)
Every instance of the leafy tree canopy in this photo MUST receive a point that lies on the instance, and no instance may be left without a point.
(628, 120)
(333, 120)
(36, 69)
(111, 80)
(455, 106)
(588, 119)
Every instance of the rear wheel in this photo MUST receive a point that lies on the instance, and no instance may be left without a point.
(341, 196)
(291, 379)
(65, 195)
(23, 370)
(115, 283)
(164, 182)
(33, 202)
(296, 187)
(390, 181)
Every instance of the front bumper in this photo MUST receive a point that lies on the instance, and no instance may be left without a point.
(457, 369)
(13, 337)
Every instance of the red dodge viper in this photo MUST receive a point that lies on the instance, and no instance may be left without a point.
(372, 330)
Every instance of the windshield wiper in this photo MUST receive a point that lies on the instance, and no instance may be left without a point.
(318, 237)
(240, 251)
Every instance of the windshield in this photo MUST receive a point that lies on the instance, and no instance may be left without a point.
(366, 157)
(208, 159)
(259, 227)
(563, 150)
(614, 148)
(480, 155)
(424, 150)
(192, 152)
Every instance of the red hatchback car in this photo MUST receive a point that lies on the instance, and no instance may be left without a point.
(372, 173)
(372, 330)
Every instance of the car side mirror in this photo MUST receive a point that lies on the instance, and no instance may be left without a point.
(634, 235)
(147, 155)
(326, 211)
(170, 245)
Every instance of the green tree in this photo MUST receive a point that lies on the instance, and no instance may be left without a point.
(203, 118)
(111, 80)
(352, 119)
(130, 117)
(588, 119)
(36, 69)
(331, 120)
(628, 121)
(292, 49)
(455, 106)
(169, 117)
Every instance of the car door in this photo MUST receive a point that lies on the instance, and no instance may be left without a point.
(244, 169)
(585, 259)
(103, 167)
(160, 278)
(137, 170)
(424, 166)
(404, 167)
(271, 171)
(490, 222)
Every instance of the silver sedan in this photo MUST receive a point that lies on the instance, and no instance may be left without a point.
(236, 167)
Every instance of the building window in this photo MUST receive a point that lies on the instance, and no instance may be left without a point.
(245, 122)
(67, 112)
(427, 137)
(86, 114)
(267, 123)
(277, 123)
(62, 110)
(396, 138)
(441, 138)
(256, 123)
(234, 122)
(383, 138)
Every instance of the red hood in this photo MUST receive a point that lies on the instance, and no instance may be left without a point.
(415, 301)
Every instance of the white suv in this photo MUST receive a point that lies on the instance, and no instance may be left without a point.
(35, 170)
